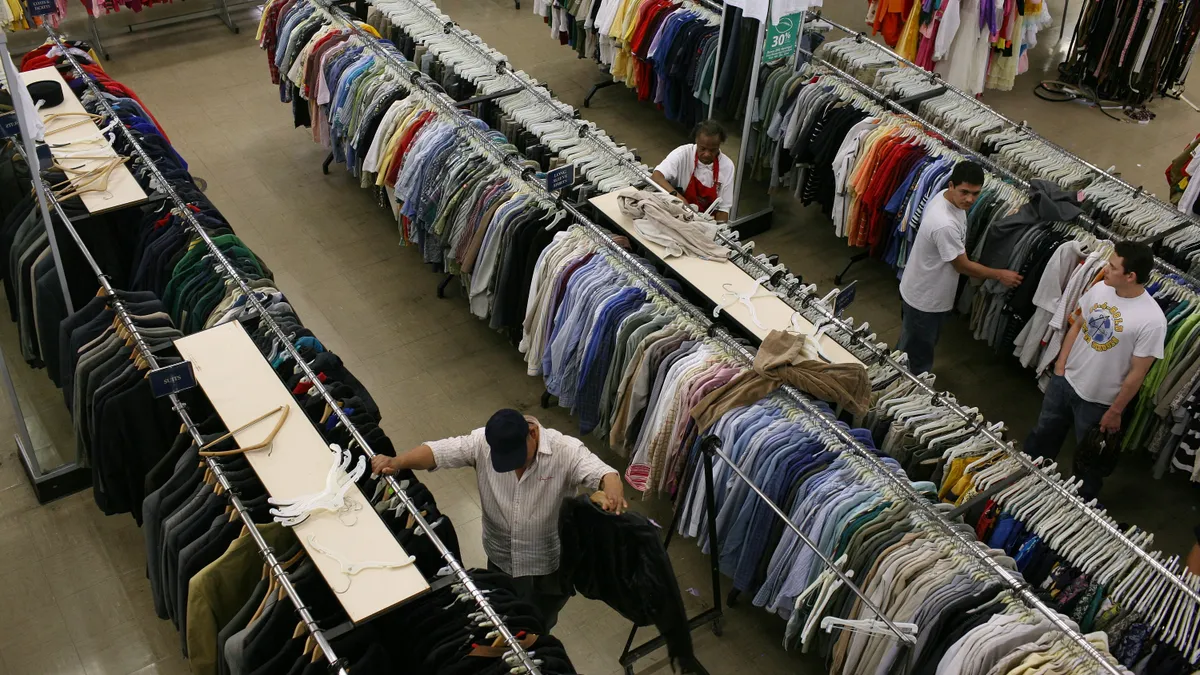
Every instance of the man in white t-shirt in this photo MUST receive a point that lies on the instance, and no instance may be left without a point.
(699, 173)
(1117, 332)
(938, 256)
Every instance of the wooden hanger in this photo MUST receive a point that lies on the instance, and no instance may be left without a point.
(282, 411)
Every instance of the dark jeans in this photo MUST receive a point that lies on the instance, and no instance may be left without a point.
(543, 592)
(919, 333)
(1062, 408)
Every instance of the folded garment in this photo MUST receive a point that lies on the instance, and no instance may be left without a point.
(671, 224)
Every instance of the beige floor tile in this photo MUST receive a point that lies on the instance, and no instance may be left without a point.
(120, 650)
(59, 661)
(93, 611)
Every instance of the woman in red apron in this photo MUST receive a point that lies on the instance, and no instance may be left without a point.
(673, 170)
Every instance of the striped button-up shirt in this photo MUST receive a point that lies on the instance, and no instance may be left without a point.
(520, 517)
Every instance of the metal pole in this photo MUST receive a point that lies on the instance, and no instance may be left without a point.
(740, 169)
(26, 121)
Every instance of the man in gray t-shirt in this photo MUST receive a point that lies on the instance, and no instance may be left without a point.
(938, 256)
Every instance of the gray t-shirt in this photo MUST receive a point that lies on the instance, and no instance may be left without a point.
(929, 280)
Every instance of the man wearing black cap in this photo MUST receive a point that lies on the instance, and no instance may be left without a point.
(525, 471)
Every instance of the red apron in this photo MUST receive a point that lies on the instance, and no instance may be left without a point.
(698, 193)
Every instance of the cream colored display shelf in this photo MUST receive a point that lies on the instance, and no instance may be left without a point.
(242, 387)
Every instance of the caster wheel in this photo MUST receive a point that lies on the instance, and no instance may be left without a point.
(718, 626)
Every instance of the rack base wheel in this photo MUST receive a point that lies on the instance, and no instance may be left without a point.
(441, 289)
(718, 626)
(326, 163)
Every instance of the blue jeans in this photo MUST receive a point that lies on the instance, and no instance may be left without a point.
(1061, 408)
(919, 333)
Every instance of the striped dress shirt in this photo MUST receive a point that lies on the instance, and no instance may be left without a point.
(520, 517)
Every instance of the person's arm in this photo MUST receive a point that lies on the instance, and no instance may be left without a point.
(591, 472)
(721, 216)
(964, 265)
(659, 178)
(419, 458)
(724, 189)
(449, 453)
(1138, 367)
(1060, 365)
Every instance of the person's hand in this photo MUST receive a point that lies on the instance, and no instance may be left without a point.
(1111, 422)
(1060, 368)
(614, 494)
(1008, 278)
(383, 465)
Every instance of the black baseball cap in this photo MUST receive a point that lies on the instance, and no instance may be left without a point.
(506, 433)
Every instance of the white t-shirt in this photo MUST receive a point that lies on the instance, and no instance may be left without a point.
(930, 281)
(1115, 330)
(677, 169)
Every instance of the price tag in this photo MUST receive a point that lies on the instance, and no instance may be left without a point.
(172, 379)
(563, 176)
(844, 298)
(781, 38)
(9, 126)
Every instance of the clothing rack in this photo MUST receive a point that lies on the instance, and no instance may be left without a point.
(949, 140)
(802, 298)
(928, 514)
(522, 81)
(515, 648)
(1138, 192)
(791, 292)
(47, 198)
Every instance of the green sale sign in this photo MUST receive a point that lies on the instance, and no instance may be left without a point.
(781, 38)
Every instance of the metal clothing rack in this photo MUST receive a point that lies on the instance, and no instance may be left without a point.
(1138, 191)
(718, 7)
(502, 68)
(181, 209)
(925, 511)
(882, 355)
(794, 294)
(47, 199)
(949, 140)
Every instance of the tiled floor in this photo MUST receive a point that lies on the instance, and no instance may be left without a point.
(73, 597)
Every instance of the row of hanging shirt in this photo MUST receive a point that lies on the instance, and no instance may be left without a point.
(1126, 211)
(1070, 562)
(671, 51)
(606, 164)
(973, 44)
(870, 170)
